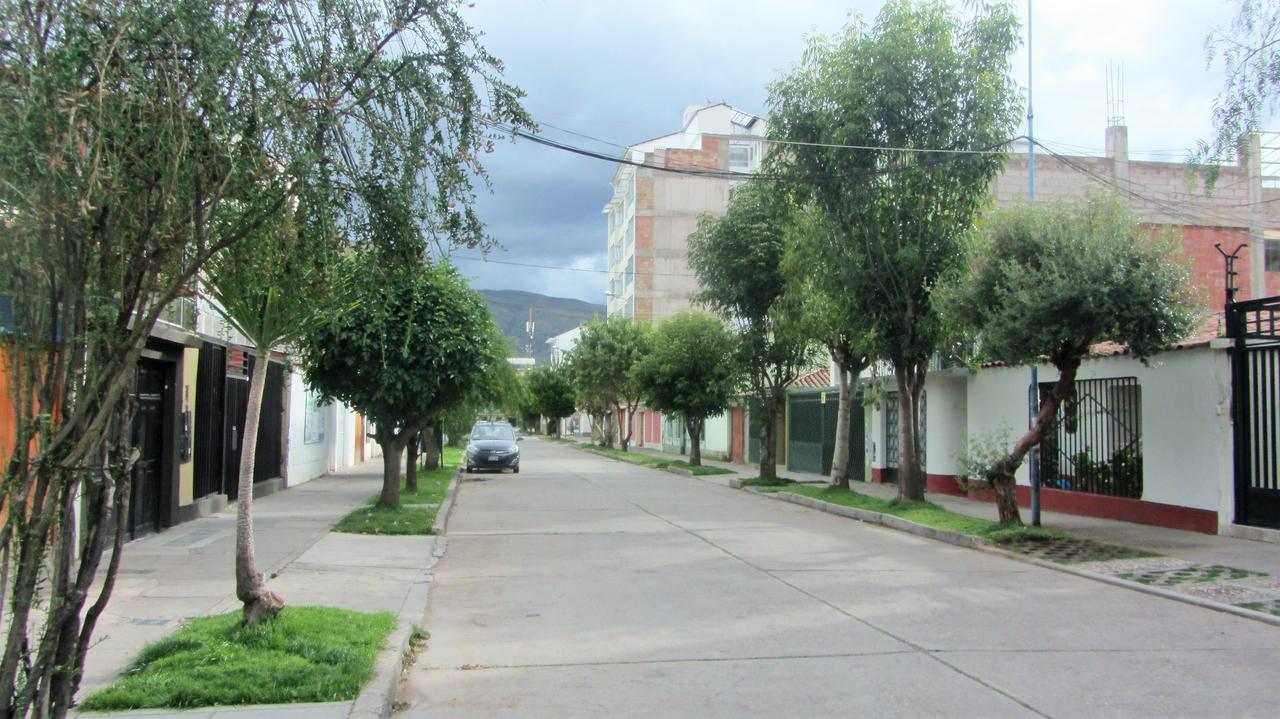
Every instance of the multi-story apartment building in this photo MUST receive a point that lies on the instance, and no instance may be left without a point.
(653, 211)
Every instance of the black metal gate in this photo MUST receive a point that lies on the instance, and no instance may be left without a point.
(1255, 386)
(1095, 442)
(268, 453)
(150, 472)
(210, 419)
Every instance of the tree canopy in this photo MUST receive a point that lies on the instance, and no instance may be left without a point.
(1051, 281)
(401, 345)
(933, 90)
(738, 259)
(552, 393)
(691, 371)
(603, 360)
(1248, 50)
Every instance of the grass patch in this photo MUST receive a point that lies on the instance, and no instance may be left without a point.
(1035, 541)
(701, 470)
(762, 482)
(306, 654)
(654, 460)
(406, 519)
(417, 511)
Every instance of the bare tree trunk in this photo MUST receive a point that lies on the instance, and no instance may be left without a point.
(609, 419)
(768, 439)
(431, 458)
(840, 459)
(411, 463)
(260, 605)
(695, 442)
(1005, 484)
(910, 381)
(625, 439)
(392, 447)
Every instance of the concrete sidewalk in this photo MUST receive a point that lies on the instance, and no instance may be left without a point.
(1190, 546)
(188, 571)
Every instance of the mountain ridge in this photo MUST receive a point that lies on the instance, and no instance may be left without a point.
(551, 316)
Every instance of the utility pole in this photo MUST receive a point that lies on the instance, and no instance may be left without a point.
(1033, 463)
(528, 332)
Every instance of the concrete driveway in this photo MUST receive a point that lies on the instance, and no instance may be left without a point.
(585, 587)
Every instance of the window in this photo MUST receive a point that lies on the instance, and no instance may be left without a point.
(743, 156)
(631, 269)
(1272, 262)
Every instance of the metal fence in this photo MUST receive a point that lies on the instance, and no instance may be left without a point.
(1095, 442)
(1254, 325)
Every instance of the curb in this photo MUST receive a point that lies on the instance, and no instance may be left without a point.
(441, 525)
(673, 470)
(970, 542)
(377, 699)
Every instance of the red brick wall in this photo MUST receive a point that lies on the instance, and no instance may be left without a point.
(707, 158)
(644, 193)
(1207, 268)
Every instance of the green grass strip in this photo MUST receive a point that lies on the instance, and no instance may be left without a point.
(417, 511)
(305, 654)
(654, 460)
(926, 513)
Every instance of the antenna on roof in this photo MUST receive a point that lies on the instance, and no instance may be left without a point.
(1115, 94)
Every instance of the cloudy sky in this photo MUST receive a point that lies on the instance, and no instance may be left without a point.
(622, 72)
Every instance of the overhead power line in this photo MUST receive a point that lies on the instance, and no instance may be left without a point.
(633, 273)
(944, 157)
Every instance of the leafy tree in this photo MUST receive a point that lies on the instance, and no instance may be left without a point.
(926, 86)
(1052, 281)
(738, 259)
(413, 341)
(1248, 50)
(602, 363)
(129, 130)
(499, 394)
(831, 316)
(690, 372)
(552, 394)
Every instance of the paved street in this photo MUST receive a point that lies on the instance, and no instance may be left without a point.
(585, 587)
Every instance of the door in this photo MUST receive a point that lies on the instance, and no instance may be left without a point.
(145, 500)
(737, 432)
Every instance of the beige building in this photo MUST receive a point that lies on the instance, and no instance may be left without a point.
(1243, 206)
(652, 211)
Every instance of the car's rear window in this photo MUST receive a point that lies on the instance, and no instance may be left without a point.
(493, 431)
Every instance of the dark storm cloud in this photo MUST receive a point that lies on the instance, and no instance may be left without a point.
(624, 72)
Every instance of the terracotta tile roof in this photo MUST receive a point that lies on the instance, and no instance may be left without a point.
(817, 379)
(1211, 328)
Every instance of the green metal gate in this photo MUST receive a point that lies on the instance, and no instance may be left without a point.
(811, 432)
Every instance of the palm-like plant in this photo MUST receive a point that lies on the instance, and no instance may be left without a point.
(266, 287)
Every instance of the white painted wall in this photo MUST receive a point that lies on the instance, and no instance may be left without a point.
(311, 434)
(716, 435)
(1186, 421)
(946, 422)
